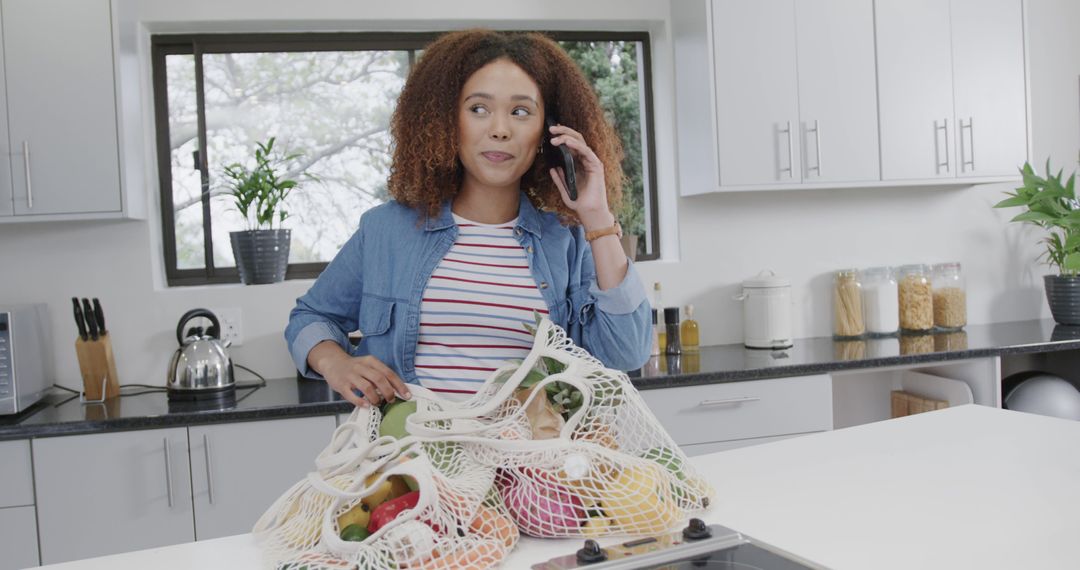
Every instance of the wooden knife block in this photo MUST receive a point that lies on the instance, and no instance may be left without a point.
(98, 368)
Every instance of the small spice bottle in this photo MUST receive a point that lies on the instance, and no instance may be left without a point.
(950, 298)
(655, 335)
(847, 305)
(688, 331)
(916, 299)
(671, 326)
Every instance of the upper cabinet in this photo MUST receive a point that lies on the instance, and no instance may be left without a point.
(951, 88)
(757, 103)
(988, 86)
(848, 93)
(795, 93)
(837, 91)
(62, 159)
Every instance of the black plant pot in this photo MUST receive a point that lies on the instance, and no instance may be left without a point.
(261, 255)
(1063, 294)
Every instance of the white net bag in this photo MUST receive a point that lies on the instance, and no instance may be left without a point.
(554, 446)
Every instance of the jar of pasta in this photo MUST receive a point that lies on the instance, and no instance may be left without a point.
(847, 305)
(916, 299)
(950, 298)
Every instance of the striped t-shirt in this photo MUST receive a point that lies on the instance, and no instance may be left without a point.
(474, 308)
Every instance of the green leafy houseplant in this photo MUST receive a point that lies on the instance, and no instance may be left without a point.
(261, 251)
(259, 193)
(1051, 205)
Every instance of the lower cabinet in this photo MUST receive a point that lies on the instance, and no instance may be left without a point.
(108, 493)
(18, 538)
(713, 417)
(115, 492)
(238, 470)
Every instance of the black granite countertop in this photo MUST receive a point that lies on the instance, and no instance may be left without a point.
(62, 413)
(734, 362)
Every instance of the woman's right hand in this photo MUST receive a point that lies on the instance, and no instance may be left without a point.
(345, 373)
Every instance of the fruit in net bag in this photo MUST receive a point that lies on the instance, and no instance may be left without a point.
(639, 500)
(539, 506)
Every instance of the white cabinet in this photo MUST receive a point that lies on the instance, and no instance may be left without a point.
(951, 84)
(18, 539)
(802, 94)
(62, 133)
(988, 84)
(915, 89)
(757, 105)
(16, 473)
(18, 525)
(108, 493)
(116, 492)
(238, 470)
(795, 91)
(837, 90)
(730, 411)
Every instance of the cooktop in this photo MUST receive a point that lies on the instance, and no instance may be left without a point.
(713, 547)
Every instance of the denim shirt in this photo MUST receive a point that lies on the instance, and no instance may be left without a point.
(376, 281)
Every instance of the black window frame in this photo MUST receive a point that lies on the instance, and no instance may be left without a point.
(163, 45)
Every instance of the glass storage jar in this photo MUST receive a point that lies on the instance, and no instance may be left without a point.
(847, 305)
(881, 304)
(950, 297)
(916, 301)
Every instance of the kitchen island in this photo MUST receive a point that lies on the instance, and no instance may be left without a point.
(965, 487)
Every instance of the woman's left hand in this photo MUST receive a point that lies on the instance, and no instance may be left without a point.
(591, 205)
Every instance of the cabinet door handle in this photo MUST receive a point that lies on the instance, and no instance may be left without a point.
(209, 469)
(790, 152)
(971, 145)
(728, 401)
(26, 167)
(817, 149)
(971, 138)
(944, 126)
(168, 471)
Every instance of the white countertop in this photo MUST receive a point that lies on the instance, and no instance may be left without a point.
(966, 487)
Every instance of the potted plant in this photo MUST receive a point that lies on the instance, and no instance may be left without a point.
(1052, 205)
(261, 251)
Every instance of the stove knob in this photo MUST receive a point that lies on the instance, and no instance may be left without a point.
(696, 530)
(591, 553)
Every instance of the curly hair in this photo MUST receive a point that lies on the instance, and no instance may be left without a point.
(426, 172)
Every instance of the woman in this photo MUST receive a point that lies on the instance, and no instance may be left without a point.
(481, 233)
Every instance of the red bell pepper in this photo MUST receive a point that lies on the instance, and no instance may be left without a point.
(389, 510)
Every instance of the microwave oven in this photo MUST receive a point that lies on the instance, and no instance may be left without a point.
(26, 370)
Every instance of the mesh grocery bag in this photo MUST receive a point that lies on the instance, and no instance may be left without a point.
(554, 446)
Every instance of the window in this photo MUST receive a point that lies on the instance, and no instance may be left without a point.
(327, 99)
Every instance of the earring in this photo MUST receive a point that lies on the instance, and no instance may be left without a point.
(540, 149)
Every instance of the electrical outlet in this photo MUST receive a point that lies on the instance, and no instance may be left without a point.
(232, 328)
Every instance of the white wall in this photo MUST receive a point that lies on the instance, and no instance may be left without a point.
(721, 238)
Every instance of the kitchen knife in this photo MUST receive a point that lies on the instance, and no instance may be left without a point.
(91, 322)
(79, 322)
(99, 316)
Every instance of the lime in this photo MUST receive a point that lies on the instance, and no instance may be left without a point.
(354, 533)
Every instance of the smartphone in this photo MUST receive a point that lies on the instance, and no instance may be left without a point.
(560, 157)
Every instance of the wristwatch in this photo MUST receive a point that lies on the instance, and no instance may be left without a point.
(615, 229)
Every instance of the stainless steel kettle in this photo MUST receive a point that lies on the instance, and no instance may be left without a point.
(201, 366)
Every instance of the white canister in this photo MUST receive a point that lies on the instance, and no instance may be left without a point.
(766, 302)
